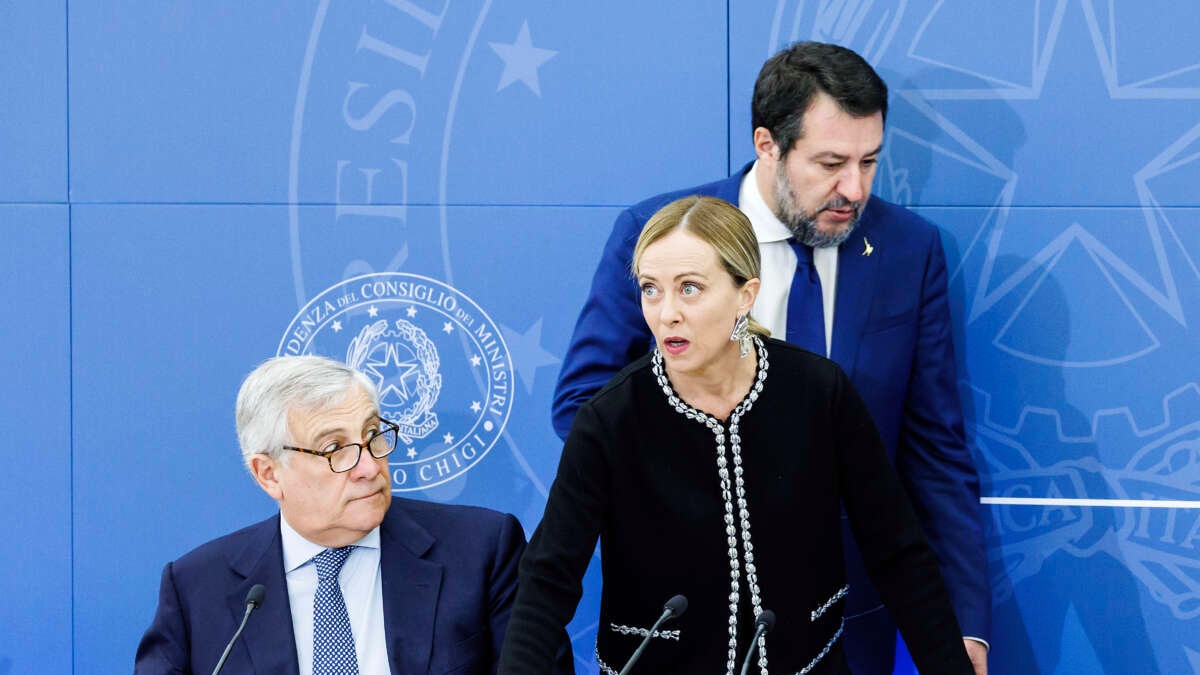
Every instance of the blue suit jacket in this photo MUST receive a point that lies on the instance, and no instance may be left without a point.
(449, 580)
(892, 337)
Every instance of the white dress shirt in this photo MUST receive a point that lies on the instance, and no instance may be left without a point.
(779, 264)
(362, 588)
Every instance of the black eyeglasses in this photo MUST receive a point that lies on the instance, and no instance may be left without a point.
(342, 458)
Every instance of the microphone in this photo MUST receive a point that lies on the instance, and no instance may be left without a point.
(254, 600)
(676, 606)
(764, 623)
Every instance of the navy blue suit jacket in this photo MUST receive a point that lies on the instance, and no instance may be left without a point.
(449, 580)
(891, 335)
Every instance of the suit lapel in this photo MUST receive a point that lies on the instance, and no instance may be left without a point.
(411, 587)
(858, 266)
(268, 636)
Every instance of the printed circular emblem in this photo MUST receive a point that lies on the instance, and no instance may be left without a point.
(443, 371)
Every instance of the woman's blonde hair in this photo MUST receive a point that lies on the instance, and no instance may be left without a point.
(715, 222)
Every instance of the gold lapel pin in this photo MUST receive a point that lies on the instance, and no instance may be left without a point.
(868, 249)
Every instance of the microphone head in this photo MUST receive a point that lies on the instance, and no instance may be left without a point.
(767, 620)
(676, 605)
(256, 595)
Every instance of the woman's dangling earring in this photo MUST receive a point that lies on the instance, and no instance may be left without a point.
(741, 334)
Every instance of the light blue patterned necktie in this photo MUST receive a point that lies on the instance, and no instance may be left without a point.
(333, 643)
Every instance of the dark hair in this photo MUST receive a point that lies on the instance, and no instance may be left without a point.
(790, 80)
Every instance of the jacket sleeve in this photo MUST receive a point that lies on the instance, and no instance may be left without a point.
(502, 584)
(610, 332)
(899, 560)
(503, 593)
(553, 566)
(164, 647)
(934, 461)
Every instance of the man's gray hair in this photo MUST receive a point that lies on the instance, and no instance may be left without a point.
(285, 383)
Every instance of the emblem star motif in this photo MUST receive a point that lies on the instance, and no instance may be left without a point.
(1193, 658)
(475, 361)
(1073, 274)
(412, 453)
(372, 311)
(1077, 244)
(521, 61)
(475, 406)
(395, 376)
(448, 438)
(410, 312)
(527, 352)
(447, 328)
(337, 326)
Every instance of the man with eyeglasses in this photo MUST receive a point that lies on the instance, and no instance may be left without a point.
(356, 581)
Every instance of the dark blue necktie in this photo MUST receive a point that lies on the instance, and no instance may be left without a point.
(333, 642)
(805, 309)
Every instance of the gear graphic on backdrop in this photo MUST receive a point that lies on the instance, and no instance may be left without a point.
(1160, 545)
(1157, 545)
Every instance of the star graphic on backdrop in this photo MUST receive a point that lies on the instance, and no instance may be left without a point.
(448, 438)
(337, 326)
(521, 60)
(395, 377)
(411, 311)
(527, 352)
(1193, 658)
(866, 27)
(1022, 74)
(991, 288)
(372, 311)
(412, 453)
(447, 328)
(475, 361)
(475, 406)
(1020, 265)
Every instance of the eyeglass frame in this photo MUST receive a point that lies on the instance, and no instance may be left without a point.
(328, 454)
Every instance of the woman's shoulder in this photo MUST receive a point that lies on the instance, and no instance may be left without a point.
(618, 390)
(788, 355)
(792, 366)
(616, 407)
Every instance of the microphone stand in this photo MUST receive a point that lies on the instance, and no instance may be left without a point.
(253, 599)
(764, 623)
(674, 607)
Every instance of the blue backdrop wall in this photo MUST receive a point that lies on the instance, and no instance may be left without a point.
(187, 188)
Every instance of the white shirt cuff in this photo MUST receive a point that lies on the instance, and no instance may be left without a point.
(979, 640)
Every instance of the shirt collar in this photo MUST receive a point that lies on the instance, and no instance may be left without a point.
(767, 227)
(298, 551)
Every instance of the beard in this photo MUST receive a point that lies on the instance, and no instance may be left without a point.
(804, 225)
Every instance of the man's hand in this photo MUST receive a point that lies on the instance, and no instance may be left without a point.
(977, 652)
